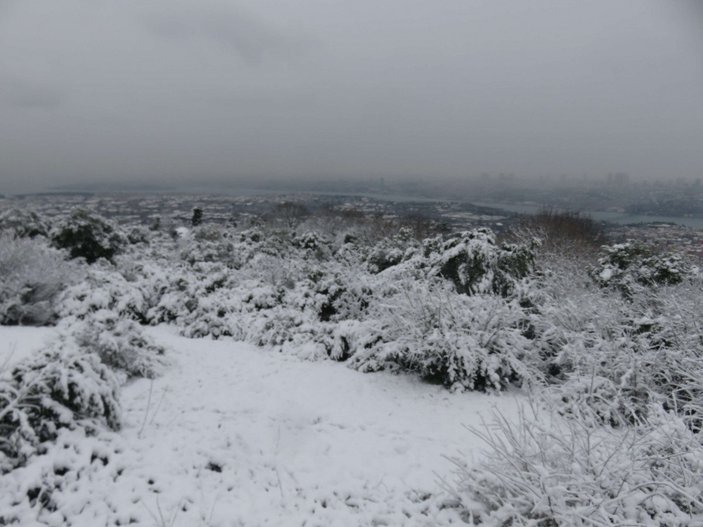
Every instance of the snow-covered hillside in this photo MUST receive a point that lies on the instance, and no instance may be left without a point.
(305, 374)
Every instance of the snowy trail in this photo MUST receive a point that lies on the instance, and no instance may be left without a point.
(235, 435)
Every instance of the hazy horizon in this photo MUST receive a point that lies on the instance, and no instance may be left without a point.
(183, 91)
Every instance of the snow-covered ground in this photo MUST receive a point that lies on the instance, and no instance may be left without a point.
(18, 342)
(236, 435)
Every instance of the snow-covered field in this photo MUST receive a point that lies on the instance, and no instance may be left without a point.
(236, 435)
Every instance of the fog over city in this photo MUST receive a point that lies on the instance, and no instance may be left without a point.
(183, 91)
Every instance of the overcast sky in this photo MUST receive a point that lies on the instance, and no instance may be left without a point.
(171, 90)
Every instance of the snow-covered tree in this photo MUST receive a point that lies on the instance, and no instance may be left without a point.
(85, 234)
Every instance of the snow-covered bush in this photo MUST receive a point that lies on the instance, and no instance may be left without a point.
(213, 314)
(542, 469)
(294, 290)
(666, 326)
(208, 243)
(22, 223)
(615, 354)
(120, 343)
(337, 297)
(604, 400)
(104, 288)
(84, 234)
(474, 263)
(465, 343)
(32, 274)
(630, 266)
(138, 235)
(386, 253)
(60, 387)
(313, 245)
(273, 327)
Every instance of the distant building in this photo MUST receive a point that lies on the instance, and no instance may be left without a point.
(618, 178)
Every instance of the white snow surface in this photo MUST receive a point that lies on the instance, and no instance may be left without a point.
(234, 435)
(19, 342)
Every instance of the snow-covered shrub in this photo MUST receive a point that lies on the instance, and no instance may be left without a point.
(313, 245)
(618, 354)
(32, 274)
(582, 336)
(138, 235)
(257, 242)
(338, 297)
(474, 263)
(104, 287)
(275, 272)
(86, 235)
(384, 254)
(603, 374)
(542, 469)
(677, 377)
(22, 223)
(60, 387)
(344, 339)
(604, 400)
(213, 315)
(629, 266)
(208, 243)
(169, 294)
(211, 324)
(287, 291)
(151, 275)
(566, 234)
(203, 301)
(463, 342)
(215, 244)
(251, 236)
(120, 343)
(568, 318)
(273, 327)
(666, 326)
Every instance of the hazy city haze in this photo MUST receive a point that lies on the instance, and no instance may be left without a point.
(186, 90)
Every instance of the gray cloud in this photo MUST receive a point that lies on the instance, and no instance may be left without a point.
(23, 93)
(178, 89)
(229, 25)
